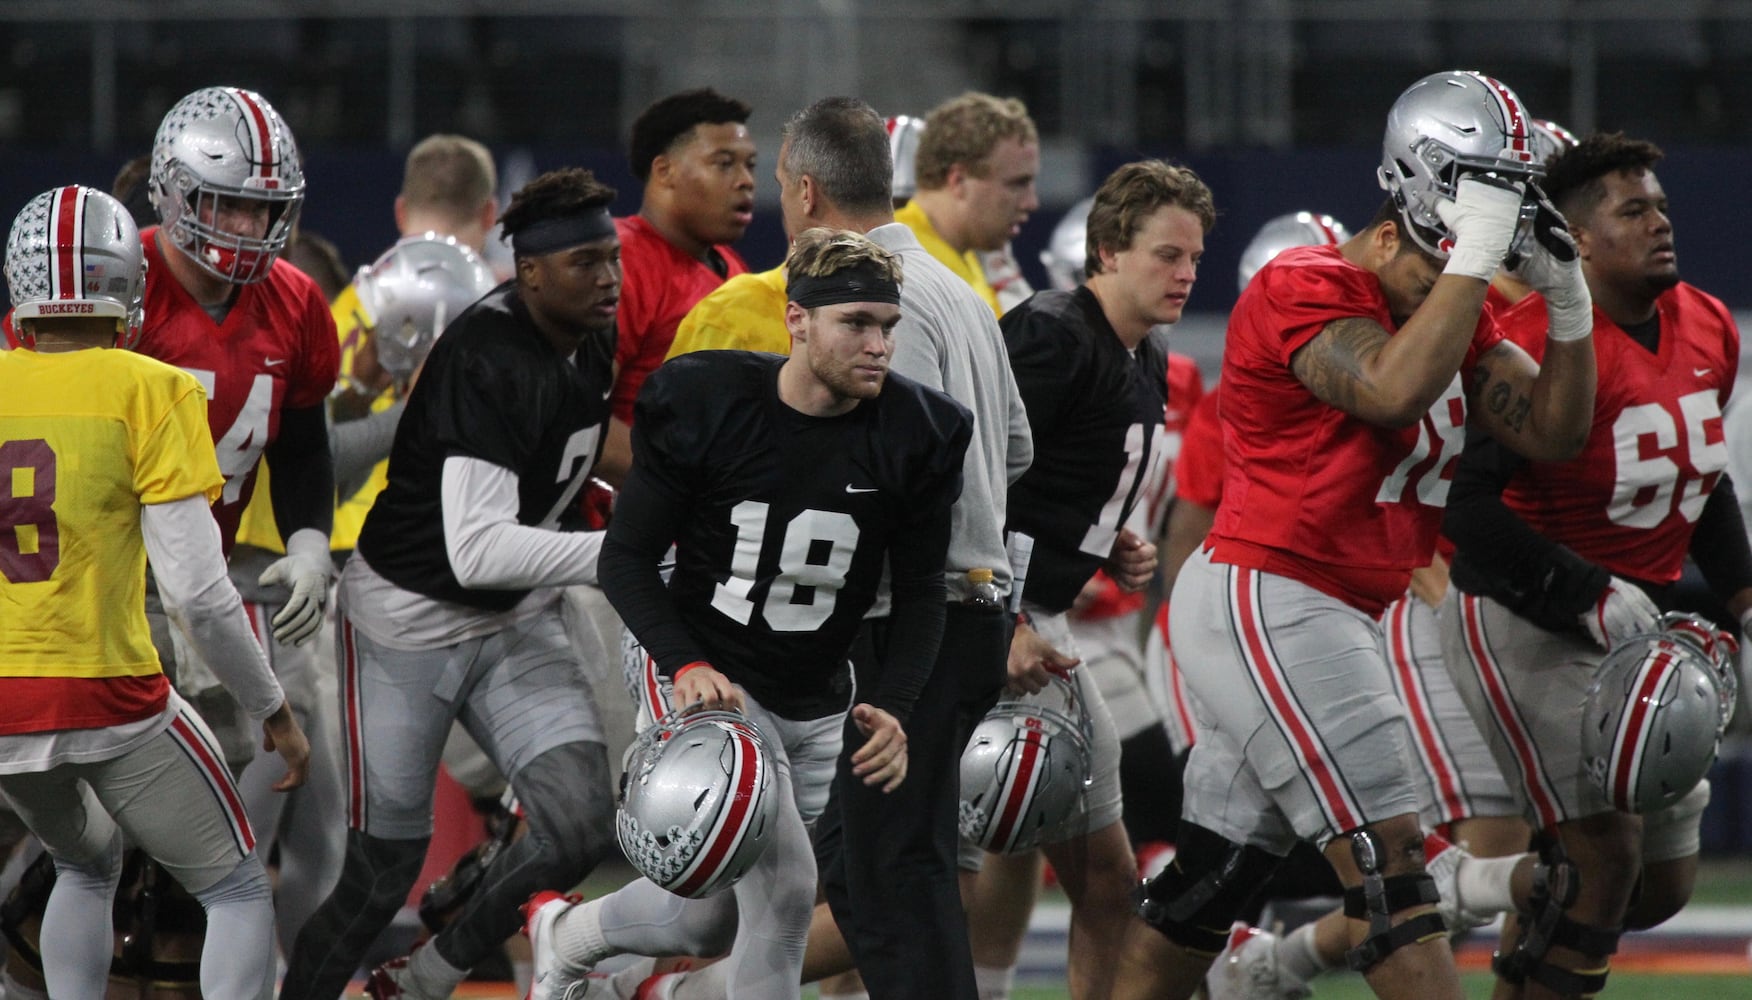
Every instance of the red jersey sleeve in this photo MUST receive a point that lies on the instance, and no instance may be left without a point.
(1198, 472)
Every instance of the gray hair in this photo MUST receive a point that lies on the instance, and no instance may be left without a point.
(842, 143)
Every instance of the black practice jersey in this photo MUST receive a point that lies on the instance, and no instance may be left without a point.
(781, 522)
(1096, 412)
(493, 389)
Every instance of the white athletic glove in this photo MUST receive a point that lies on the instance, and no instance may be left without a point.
(1482, 220)
(1553, 267)
(305, 569)
(1622, 610)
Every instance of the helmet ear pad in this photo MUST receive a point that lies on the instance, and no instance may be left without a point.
(698, 804)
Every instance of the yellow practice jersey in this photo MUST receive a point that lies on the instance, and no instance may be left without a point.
(86, 438)
(746, 313)
(965, 265)
(258, 527)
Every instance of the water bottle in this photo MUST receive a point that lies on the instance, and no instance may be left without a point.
(982, 592)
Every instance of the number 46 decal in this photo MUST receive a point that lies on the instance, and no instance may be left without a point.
(823, 580)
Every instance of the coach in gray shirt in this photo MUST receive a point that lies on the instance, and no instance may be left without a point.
(888, 860)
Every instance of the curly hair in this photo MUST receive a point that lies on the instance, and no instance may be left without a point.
(660, 126)
(965, 130)
(1133, 193)
(568, 191)
(820, 251)
(1574, 178)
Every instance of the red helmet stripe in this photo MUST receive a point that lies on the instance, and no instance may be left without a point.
(1022, 779)
(1519, 140)
(1326, 230)
(66, 222)
(259, 132)
(1633, 730)
(722, 841)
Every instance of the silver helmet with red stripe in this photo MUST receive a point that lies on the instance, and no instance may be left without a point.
(413, 291)
(221, 151)
(1026, 770)
(904, 133)
(697, 805)
(74, 251)
(1655, 712)
(1444, 127)
(1297, 229)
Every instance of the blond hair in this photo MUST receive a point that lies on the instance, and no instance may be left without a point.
(820, 252)
(965, 130)
(449, 174)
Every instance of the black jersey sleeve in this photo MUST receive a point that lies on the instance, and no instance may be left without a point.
(1719, 546)
(1499, 556)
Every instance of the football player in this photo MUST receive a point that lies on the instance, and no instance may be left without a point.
(1348, 376)
(1560, 560)
(109, 460)
(448, 603)
(784, 485)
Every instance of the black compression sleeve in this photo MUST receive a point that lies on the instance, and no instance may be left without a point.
(915, 563)
(646, 520)
(1500, 557)
(1719, 545)
(302, 484)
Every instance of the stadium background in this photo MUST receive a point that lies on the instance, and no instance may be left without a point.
(1278, 104)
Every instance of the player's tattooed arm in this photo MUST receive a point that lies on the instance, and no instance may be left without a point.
(1335, 363)
(1495, 392)
(1541, 416)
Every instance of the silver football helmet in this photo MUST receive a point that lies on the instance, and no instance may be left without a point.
(74, 251)
(226, 143)
(904, 132)
(1443, 127)
(1297, 229)
(697, 805)
(1026, 770)
(413, 291)
(1550, 139)
(1654, 714)
(1068, 248)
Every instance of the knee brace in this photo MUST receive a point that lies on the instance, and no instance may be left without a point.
(1196, 912)
(1380, 897)
(157, 917)
(1544, 925)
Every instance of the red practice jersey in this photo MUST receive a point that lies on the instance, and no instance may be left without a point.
(659, 284)
(277, 348)
(1630, 500)
(1309, 491)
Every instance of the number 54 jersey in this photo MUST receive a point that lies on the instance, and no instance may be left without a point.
(1309, 491)
(782, 521)
(1630, 500)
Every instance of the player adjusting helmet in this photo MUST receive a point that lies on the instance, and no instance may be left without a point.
(412, 292)
(1025, 771)
(1445, 126)
(1297, 229)
(1653, 716)
(696, 804)
(226, 143)
(904, 132)
(74, 251)
(1068, 248)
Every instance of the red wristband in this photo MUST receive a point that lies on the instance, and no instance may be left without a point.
(684, 668)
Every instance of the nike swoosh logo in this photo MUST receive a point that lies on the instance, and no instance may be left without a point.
(1701, 372)
(271, 362)
(861, 489)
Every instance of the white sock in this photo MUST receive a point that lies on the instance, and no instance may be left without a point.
(522, 974)
(431, 973)
(1297, 956)
(994, 982)
(578, 936)
(1483, 883)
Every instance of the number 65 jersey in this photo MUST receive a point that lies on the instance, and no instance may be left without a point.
(1309, 491)
(1630, 500)
(781, 521)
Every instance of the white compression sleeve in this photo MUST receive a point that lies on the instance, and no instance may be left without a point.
(489, 549)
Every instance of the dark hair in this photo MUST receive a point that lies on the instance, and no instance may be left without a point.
(568, 191)
(132, 189)
(1132, 194)
(661, 125)
(842, 143)
(1573, 178)
(317, 256)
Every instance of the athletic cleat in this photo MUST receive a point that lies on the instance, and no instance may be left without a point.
(549, 980)
(1442, 862)
(1247, 969)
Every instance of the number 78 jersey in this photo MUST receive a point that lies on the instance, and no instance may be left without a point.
(1630, 500)
(1309, 491)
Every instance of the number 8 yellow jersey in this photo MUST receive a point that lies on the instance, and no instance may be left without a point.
(86, 438)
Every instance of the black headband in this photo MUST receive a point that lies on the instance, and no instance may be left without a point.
(862, 282)
(545, 236)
